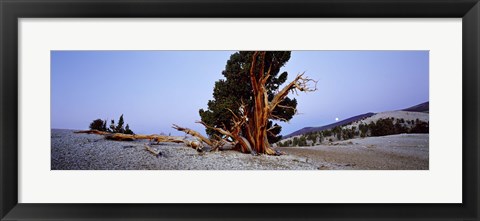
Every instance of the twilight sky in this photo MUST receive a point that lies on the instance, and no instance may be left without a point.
(154, 89)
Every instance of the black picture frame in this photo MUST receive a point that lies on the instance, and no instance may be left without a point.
(12, 10)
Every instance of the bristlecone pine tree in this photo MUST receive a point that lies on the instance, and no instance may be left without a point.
(246, 102)
(244, 106)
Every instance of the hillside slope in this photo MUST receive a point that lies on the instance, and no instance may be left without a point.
(419, 111)
(329, 126)
(423, 107)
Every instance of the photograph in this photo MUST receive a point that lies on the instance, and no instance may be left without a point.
(144, 110)
(239, 110)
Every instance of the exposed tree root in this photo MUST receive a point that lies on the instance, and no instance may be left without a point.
(248, 128)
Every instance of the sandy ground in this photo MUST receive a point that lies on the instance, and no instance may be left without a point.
(72, 151)
(394, 152)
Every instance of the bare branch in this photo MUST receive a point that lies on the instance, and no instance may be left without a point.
(274, 126)
(299, 83)
(275, 117)
(287, 107)
(193, 133)
(222, 131)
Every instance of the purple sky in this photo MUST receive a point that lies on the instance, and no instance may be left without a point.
(154, 89)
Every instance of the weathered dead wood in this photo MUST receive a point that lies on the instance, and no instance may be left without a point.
(92, 132)
(166, 139)
(145, 137)
(119, 137)
(194, 144)
(193, 133)
(155, 138)
(155, 152)
(249, 130)
(263, 109)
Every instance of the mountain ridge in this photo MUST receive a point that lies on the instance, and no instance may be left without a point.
(422, 107)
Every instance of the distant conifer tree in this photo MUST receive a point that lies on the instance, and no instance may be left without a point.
(96, 125)
(112, 126)
(127, 130)
(104, 126)
(119, 128)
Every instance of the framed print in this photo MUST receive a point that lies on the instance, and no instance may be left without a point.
(145, 110)
(381, 140)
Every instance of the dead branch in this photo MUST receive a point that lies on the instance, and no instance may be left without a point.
(219, 130)
(155, 152)
(92, 132)
(193, 133)
(157, 138)
(120, 137)
(300, 83)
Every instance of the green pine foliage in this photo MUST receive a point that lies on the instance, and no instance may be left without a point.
(382, 127)
(119, 128)
(127, 130)
(101, 125)
(97, 125)
(420, 127)
(228, 93)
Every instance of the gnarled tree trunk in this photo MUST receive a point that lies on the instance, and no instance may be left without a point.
(249, 130)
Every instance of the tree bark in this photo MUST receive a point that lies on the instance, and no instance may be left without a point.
(256, 125)
(249, 130)
(193, 133)
(156, 138)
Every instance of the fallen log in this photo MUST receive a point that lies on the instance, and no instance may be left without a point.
(153, 137)
(92, 132)
(120, 137)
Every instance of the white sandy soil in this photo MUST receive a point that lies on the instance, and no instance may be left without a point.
(72, 151)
